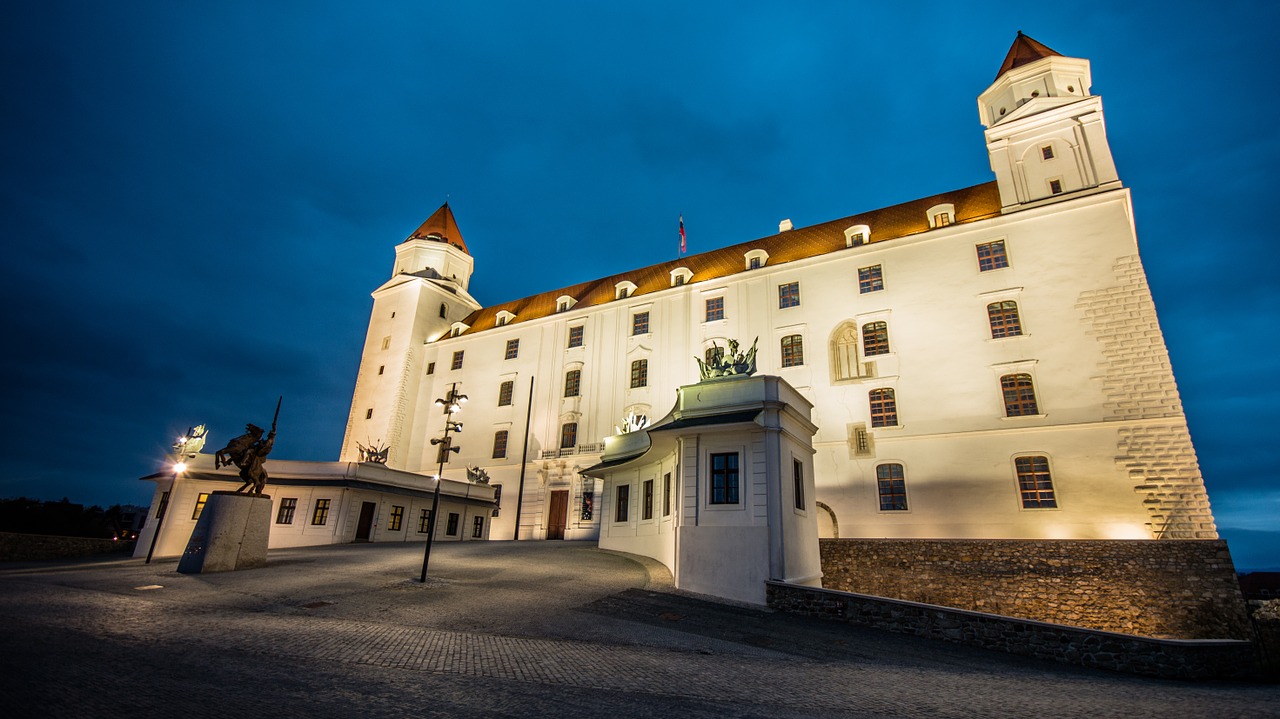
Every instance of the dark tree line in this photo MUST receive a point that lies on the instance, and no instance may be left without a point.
(66, 519)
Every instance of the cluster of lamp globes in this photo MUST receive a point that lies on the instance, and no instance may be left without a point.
(188, 445)
(451, 402)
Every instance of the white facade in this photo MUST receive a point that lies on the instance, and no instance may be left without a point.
(982, 363)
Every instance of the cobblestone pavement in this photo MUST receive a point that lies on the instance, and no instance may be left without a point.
(501, 629)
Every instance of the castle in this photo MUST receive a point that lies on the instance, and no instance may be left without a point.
(982, 363)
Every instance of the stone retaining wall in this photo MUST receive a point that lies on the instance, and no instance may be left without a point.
(1169, 658)
(1184, 589)
(39, 547)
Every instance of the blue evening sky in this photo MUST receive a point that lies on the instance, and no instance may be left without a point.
(199, 197)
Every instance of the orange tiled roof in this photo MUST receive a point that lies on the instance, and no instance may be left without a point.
(441, 224)
(1023, 52)
(971, 204)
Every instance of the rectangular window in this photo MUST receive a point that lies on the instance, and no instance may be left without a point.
(569, 435)
(639, 373)
(797, 475)
(991, 256)
(424, 521)
(381, 368)
(1055, 187)
(368, 413)
(320, 515)
(431, 368)
(457, 360)
(1046, 152)
(451, 529)
(477, 527)
(1019, 395)
(505, 392)
(875, 339)
(572, 383)
(754, 263)
(200, 501)
(857, 239)
(575, 336)
(870, 279)
(500, 444)
(789, 295)
(497, 499)
(715, 309)
(724, 478)
(622, 502)
(386, 343)
(162, 505)
(646, 506)
(942, 219)
(884, 408)
(640, 323)
(1034, 483)
(891, 484)
(287, 507)
(396, 519)
(513, 349)
(792, 351)
(1003, 317)
(666, 494)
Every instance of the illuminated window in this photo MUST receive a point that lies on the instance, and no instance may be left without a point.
(568, 435)
(1034, 483)
(724, 478)
(792, 351)
(797, 476)
(500, 444)
(396, 518)
(621, 502)
(789, 295)
(1004, 319)
(477, 527)
(666, 494)
(891, 484)
(200, 502)
(640, 323)
(639, 373)
(870, 279)
(424, 521)
(715, 309)
(320, 515)
(1019, 395)
(991, 256)
(884, 408)
(457, 360)
(287, 507)
(942, 219)
(575, 336)
(513, 349)
(875, 339)
(646, 504)
(451, 529)
(572, 383)
(505, 392)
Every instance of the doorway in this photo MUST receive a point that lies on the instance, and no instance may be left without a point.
(365, 526)
(558, 514)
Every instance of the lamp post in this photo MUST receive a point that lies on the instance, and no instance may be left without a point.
(452, 402)
(188, 445)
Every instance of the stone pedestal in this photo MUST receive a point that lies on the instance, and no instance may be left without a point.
(231, 534)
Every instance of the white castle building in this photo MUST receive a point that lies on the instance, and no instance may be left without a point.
(982, 363)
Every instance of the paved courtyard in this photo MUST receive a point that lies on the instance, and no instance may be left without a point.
(500, 629)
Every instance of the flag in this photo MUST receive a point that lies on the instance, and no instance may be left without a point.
(683, 247)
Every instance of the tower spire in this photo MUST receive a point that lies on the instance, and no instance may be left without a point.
(440, 227)
(1024, 50)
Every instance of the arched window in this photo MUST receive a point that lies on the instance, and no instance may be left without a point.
(1004, 319)
(884, 408)
(1019, 395)
(875, 338)
(844, 353)
(792, 351)
(1034, 483)
(444, 309)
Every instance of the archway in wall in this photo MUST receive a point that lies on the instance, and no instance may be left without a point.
(828, 527)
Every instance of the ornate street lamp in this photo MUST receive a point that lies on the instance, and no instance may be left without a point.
(452, 403)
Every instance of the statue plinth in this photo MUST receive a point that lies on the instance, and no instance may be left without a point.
(231, 534)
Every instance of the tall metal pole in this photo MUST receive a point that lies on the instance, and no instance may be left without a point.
(445, 449)
(524, 460)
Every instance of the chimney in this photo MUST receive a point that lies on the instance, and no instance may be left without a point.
(784, 225)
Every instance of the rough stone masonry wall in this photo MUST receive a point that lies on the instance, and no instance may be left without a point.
(1138, 383)
(1184, 590)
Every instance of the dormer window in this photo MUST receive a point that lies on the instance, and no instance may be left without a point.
(564, 303)
(458, 328)
(680, 276)
(941, 215)
(756, 259)
(505, 317)
(624, 289)
(857, 235)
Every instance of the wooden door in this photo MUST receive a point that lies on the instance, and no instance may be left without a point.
(365, 526)
(558, 514)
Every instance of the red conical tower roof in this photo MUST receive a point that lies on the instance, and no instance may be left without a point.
(1024, 52)
(440, 226)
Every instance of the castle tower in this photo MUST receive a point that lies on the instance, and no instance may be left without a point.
(426, 293)
(1045, 133)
